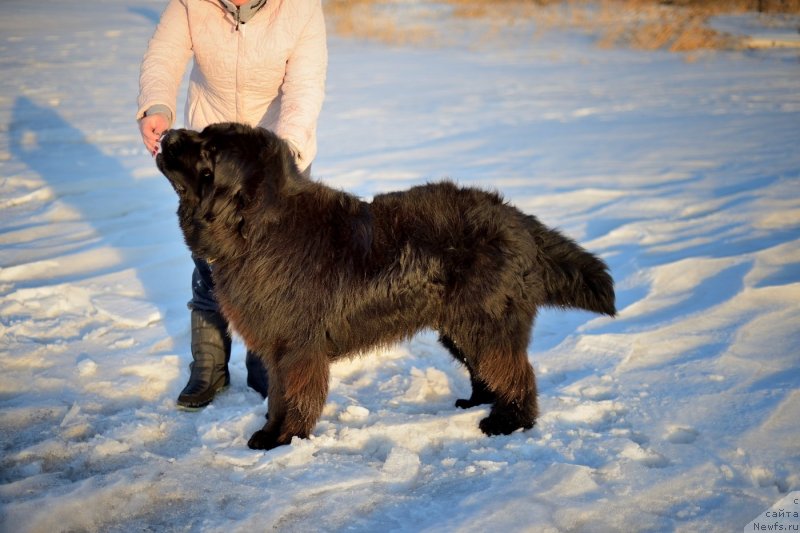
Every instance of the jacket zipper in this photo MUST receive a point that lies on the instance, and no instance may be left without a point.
(239, 37)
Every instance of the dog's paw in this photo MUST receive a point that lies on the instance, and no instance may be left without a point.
(263, 440)
(468, 403)
(462, 403)
(476, 400)
(500, 423)
(481, 395)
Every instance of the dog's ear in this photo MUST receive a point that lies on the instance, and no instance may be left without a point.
(234, 217)
(207, 194)
(270, 178)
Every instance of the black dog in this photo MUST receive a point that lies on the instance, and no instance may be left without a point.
(307, 274)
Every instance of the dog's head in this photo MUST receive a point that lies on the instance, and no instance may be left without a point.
(220, 174)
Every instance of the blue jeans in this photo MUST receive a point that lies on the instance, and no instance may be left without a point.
(202, 287)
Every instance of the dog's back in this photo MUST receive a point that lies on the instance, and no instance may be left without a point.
(478, 241)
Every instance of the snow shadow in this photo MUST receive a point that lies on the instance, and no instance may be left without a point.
(130, 218)
(149, 14)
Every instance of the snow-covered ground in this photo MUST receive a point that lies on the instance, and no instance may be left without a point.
(681, 414)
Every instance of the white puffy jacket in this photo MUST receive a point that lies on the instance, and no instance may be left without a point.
(268, 72)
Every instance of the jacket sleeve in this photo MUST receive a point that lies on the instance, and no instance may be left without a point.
(165, 60)
(303, 88)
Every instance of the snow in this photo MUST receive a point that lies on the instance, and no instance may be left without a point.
(680, 415)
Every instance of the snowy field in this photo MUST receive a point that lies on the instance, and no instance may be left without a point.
(679, 415)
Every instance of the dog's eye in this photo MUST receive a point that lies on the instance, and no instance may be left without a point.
(206, 173)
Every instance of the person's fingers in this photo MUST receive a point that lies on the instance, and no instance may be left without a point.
(151, 129)
(149, 140)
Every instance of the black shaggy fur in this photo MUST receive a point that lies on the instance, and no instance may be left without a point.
(307, 274)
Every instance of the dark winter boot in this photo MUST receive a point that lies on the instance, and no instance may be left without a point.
(256, 374)
(211, 351)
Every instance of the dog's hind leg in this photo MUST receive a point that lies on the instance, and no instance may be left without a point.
(496, 355)
(510, 376)
(298, 389)
(480, 391)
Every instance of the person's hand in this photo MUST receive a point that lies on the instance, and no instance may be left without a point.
(152, 127)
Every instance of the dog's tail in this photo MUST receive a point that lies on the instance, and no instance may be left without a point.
(572, 276)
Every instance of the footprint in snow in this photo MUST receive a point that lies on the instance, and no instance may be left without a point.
(682, 435)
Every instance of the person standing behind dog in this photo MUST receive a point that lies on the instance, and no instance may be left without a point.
(259, 62)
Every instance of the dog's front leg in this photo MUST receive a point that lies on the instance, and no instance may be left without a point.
(298, 389)
(266, 438)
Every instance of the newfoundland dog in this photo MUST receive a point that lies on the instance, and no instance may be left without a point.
(307, 274)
